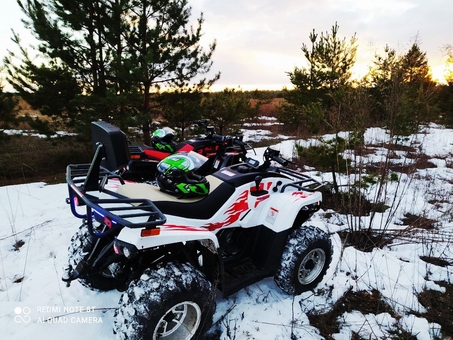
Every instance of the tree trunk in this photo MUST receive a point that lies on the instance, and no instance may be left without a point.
(146, 122)
(334, 178)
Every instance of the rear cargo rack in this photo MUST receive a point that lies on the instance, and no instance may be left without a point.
(302, 183)
(87, 187)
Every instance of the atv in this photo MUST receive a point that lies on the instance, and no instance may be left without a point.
(221, 151)
(169, 255)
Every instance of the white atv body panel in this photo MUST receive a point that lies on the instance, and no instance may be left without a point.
(273, 209)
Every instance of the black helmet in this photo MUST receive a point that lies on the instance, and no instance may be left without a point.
(175, 175)
(162, 139)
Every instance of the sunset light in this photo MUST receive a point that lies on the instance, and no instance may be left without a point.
(438, 73)
(448, 71)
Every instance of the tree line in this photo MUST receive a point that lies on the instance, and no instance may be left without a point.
(398, 91)
(134, 61)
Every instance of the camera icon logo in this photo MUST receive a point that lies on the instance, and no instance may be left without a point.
(22, 314)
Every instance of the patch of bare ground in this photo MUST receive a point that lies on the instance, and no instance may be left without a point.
(351, 203)
(418, 162)
(420, 222)
(439, 308)
(437, 261)
(364, 302)
(367, 239)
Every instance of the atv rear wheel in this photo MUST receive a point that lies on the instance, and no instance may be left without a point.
(305, 260)
(173, 302)
(86, 248)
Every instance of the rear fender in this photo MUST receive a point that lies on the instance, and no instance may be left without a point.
(282, 209)
(167, 235)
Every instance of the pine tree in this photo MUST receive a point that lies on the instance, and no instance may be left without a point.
(404, 92)
(181, 108)
(329, 60)
(119, 53)
(227, 108)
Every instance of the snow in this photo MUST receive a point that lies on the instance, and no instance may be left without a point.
(57, 134)
(34, 302)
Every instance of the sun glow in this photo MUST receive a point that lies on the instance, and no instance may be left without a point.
(438, 73)
(443, 74)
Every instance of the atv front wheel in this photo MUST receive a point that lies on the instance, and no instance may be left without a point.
(173, 302)
(305, 260)
(85, 248)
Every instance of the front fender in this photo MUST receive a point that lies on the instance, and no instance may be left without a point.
(282, 209)
(167, 235)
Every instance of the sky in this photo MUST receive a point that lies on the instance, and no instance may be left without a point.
(35, 302)
(258, 42)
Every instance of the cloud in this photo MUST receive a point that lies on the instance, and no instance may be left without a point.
(258, 41)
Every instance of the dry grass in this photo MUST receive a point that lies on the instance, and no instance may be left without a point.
(25, 109)
(25, 159)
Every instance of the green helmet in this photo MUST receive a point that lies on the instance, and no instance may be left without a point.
(162, 139)
(175, 175)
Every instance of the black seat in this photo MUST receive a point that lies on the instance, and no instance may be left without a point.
(202, 209)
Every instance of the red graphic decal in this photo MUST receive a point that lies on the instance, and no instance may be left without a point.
(261, 199)
(233, 212)
(261, 187)
(214, 226)
(182, 227)
(299, 195)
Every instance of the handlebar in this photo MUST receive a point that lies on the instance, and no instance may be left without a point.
(229, 140)
(280, 160)
(274, 155)
(199, 122)
(219, 138)
(302, 182)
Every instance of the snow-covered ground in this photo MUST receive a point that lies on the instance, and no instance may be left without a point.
(35, 303)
